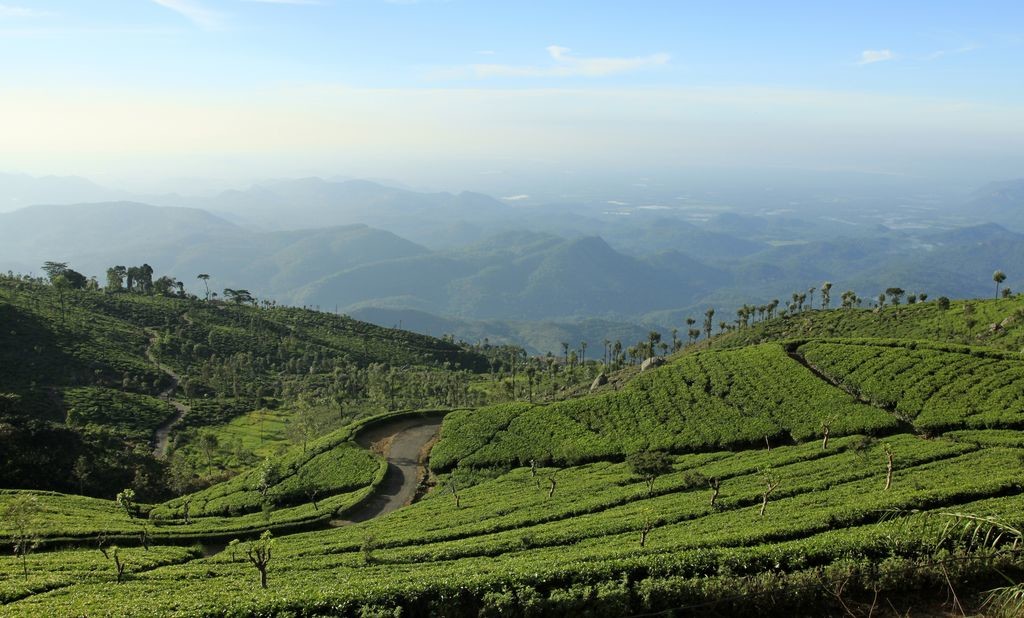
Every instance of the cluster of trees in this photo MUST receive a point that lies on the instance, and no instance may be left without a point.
(137, 279)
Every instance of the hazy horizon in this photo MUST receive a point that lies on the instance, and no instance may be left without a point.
(451, 94)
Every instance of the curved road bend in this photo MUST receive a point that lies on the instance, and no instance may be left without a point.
(408, 438)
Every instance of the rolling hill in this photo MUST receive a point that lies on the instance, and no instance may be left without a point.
(545, 278)
(822, 462)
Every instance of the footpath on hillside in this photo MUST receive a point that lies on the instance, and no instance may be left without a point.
(161, 437)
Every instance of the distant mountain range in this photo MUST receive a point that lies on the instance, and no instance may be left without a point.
(436, 218)
(588, 272)
(21, 190)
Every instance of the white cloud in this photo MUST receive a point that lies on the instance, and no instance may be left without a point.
(871, 56)
(194, 12)
(564, 65)
(8, 10)
(516, 198)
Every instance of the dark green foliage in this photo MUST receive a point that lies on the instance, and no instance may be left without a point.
(130, 413)
(81, 364)
(649, 465)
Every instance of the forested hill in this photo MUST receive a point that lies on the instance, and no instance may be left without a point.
(89, 377)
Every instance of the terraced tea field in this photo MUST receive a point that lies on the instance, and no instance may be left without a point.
(805, 476)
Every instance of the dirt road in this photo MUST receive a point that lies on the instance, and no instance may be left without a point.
(406, 440)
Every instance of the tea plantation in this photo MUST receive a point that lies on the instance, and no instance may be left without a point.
(843, 462)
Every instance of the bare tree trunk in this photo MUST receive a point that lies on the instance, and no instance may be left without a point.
(715, 485)
(888, 467)
(551, 491)
(764, 497)
(824, 441)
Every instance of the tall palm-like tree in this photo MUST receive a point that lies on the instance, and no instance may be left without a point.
(205, 277)
(998, 276)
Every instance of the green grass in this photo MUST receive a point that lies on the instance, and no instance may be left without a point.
(261, 432)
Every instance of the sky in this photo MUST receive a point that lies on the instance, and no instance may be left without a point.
(441, 92)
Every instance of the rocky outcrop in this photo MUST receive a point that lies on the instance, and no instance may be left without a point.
(651, 363)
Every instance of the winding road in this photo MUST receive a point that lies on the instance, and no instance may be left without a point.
(406, 440)
(162, 435)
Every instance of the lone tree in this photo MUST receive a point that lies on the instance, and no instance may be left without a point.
(269, 475)
(998, 276)
(259, 553)
(716, 486)
(206, 282)
(646, 525)
(771, 481)
(21, 514)
(826, 429)
(454, 488)
(126, 500)
(649, 465)
(888, 467)
(119, 564)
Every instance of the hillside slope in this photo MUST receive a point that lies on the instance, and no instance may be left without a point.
(83, 396)
(812, 465)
